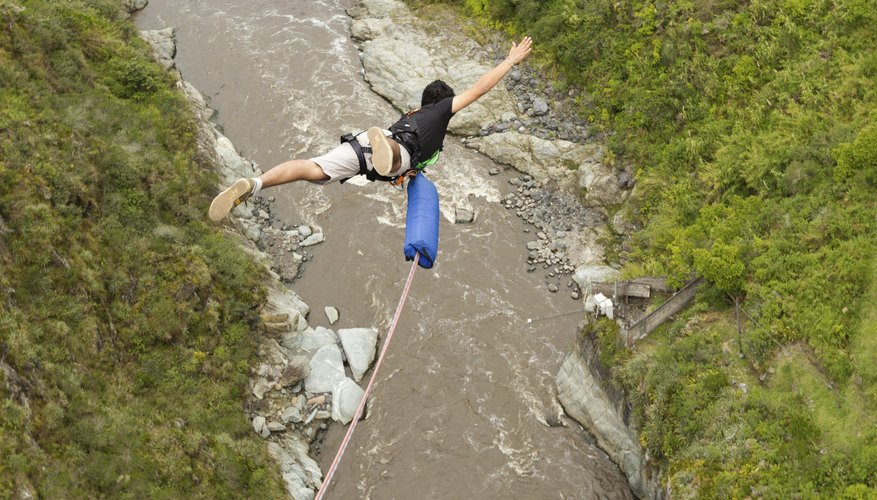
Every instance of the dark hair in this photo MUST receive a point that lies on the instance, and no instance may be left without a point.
(435, 92)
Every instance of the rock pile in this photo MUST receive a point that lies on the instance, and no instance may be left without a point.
(302, 379)
(558, 219)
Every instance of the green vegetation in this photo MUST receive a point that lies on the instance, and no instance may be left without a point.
(751, 126)
(127, 325)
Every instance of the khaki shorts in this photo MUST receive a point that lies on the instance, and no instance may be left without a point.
(341, 163)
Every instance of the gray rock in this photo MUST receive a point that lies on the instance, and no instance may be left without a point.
(275, 427)
(260, 387)
(313, 339)
(398, 66)
(625, 181)
(369, 29)
(359, 346)
(253, 232)
(134, 5)
(621, 223)
(295, 371)
(259, 424)
(599, 185)
(463, 215)
(291, 414)
(243, 211)
(304, 231)
(585, 275)
(346, 396)
(534, 245)
(543, 159)
(235, 166)
(552, 287)
(198, 102)
(327, 369)
(332, 314)
(163, 45)
(313, 240)
(291, 340)
(540, 107)
(300, 472)
(282, 300)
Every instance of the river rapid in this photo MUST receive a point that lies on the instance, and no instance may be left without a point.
(462, 406)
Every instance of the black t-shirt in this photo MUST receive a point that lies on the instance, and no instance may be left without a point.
(432, 125)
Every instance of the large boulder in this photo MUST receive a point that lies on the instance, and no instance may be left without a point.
(543, 159)
(585, 275)
(314, 339)
(398, 67)
(282, 300)
(327, 369)
(359, 346)
(163, 45)
(346, 396)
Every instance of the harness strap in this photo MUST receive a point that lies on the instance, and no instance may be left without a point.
(360, 151)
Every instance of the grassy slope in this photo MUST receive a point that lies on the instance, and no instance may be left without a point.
(129, 321)
(751, 127)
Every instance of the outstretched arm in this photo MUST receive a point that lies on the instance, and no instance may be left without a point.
(517, 53)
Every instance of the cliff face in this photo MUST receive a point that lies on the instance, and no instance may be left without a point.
(580, 391)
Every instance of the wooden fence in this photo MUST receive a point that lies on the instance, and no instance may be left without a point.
(655, 318)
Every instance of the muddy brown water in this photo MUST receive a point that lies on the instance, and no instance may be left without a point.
(461, 405)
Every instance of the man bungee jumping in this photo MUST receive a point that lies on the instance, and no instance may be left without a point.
(411, 144)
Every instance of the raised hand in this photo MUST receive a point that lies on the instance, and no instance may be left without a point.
(520, 51)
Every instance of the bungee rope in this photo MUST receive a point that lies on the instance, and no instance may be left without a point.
(328, 479)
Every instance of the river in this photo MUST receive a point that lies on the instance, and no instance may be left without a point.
(461, 406)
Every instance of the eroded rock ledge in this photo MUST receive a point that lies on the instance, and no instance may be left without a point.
(580, 391)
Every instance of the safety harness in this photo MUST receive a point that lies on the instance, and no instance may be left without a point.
(404, 131)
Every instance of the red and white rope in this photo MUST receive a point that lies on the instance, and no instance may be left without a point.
(328, 479)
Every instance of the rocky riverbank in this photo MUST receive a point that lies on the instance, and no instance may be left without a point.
(580, 389)
(300, 381)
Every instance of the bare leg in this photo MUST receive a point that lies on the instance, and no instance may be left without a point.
(293, 170)
(242, 189)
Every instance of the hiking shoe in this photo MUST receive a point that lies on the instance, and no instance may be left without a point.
(382, 151)
(236, 194)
